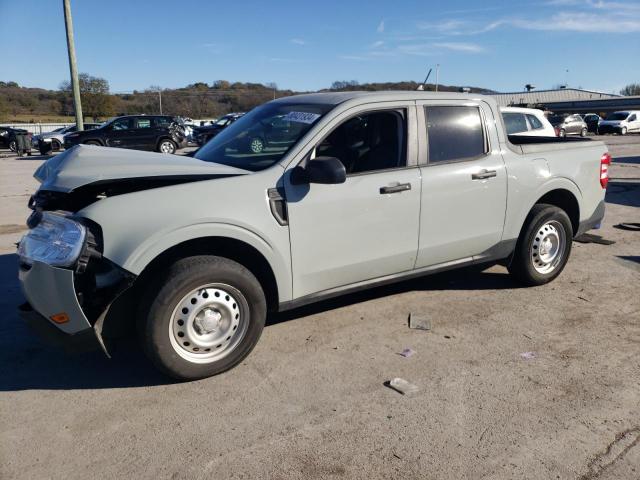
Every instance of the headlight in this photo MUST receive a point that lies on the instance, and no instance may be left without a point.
(56, 240)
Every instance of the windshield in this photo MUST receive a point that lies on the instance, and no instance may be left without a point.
(263, 136)
(618, 116)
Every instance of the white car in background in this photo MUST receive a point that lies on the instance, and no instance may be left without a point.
(621, 123)
(526, 121)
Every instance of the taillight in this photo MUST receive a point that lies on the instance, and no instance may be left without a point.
(605, 161)
(557, 131)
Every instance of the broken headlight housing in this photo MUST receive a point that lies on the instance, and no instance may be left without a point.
(56, 240)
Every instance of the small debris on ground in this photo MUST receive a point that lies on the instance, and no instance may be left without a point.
(528, 355)
(407, 352)
(402, 386)
(585, 299)
(419, 322)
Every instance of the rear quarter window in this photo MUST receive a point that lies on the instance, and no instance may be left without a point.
(454, 133)
(514, 123)
(535, 123)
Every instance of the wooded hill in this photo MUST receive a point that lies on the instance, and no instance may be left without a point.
(198, 100)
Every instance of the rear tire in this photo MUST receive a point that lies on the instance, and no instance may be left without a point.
(203, 317)
(167, 146)
(544, 246)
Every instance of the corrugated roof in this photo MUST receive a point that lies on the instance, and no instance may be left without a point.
(548, 96)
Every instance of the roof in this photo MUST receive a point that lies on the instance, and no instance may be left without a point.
(335, 98)
(548, 96)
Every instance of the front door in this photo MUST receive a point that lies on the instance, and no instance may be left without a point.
(120, 133)
(464, 183)
(367, 227)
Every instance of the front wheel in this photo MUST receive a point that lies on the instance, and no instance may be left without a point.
(256, 145)
(167, 146)
(562, 133)
(203, 318)
(623, 131)
(13, 146)
(544, 246)
(583, 132)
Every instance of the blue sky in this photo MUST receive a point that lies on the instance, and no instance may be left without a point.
(306, 45)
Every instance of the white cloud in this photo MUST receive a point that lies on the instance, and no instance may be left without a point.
(298, 41)
(460, 47)
(377, 44)
(380, 28)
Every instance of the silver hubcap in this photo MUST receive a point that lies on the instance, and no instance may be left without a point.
(166, 147)
(256, 145)
(548, 247)
(208, 323)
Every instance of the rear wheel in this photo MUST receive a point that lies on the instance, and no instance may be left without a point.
(55, 145)
(544, 246)
(203, 318)
(167, 146)
(583, 132)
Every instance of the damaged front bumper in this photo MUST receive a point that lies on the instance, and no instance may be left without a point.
(69, 308)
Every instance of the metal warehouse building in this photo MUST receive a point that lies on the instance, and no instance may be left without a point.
(568, 100)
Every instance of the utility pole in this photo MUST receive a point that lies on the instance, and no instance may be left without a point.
(437, 75)
(160, 97)
(73, 68)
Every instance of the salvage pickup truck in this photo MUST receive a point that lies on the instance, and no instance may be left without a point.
(370, 188)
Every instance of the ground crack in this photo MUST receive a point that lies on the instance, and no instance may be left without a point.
(616, 450)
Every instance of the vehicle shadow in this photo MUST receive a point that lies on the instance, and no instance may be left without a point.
(623, 193)
(28, 362)
(470, 278)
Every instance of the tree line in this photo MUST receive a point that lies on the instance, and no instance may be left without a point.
(197, 100)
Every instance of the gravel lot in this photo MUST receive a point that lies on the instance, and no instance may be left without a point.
(309, 402)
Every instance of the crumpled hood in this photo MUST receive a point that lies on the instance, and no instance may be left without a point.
(87, 164)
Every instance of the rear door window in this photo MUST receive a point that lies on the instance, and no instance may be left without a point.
(454, 133)
(143, 123)
(121, 124)
(514, 122)
(535, 123)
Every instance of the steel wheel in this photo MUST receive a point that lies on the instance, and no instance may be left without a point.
(167, 146)
(208, 323)
(547, 247)
(13, 146)
(256, 145)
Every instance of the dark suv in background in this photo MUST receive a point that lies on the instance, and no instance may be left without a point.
(160, 133)
(568, 125)
(205, 133)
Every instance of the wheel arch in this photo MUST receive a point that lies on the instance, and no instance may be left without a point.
(565, 200)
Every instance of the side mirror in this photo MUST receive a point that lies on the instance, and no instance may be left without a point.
(325, 170)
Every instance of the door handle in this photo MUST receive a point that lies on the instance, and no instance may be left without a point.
(483, 174)
(401, 187)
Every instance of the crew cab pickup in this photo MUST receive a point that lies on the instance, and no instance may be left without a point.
(369, 188)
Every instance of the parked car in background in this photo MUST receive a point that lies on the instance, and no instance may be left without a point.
(203, 134)
(56, 138)
(621, 122)
(568, 125)
(592, 120)
(371, 188)
(8, 137)
(160, 133)
(526, 121)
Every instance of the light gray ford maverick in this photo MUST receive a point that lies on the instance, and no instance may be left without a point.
(349, 191)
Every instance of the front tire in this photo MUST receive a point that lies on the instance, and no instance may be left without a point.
(623, 131)
(562, 133)
(167, 146)
(544, 246)
(203, 318)
(583, 132)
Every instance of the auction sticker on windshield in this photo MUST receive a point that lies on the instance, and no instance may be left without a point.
(301, 117)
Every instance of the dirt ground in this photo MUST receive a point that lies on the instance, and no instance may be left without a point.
(310, 401)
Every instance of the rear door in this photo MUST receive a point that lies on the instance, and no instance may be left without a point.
(464, 182)
(145, 133)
